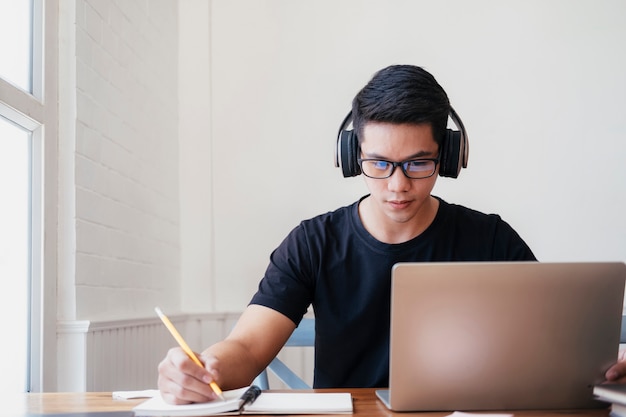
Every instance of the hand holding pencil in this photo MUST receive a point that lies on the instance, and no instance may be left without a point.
(181, 342)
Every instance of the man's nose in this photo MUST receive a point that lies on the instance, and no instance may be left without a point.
(398, 181)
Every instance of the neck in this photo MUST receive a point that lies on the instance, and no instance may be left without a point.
(389, 231)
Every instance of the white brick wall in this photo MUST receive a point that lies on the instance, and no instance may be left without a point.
(126, 157)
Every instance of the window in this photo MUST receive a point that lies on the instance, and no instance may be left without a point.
(27, 137)
(16, 29)
(15, 162)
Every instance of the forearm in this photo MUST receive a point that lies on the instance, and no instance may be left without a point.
(232, 364)
(255, 340)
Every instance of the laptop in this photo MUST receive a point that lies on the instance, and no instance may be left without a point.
(502, 336)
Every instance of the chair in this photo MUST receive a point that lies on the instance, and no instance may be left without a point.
(303, 335)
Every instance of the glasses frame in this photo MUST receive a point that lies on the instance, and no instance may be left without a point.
(400, 164)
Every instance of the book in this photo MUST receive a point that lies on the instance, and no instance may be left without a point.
(266, 402)
(611, 393)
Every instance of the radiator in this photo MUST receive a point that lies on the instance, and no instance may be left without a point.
(124, 354)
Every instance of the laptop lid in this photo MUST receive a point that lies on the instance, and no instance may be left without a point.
(502, 336)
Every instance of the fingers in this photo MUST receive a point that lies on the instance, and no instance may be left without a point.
(210, 363)
(617, 372)
(182, 381)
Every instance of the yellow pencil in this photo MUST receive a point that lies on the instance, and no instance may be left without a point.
(186, 348)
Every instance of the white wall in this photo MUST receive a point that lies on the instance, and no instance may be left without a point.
(118, 152)
(538, 84)
(195, 150)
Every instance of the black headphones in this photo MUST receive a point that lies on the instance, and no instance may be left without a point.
(452, 156)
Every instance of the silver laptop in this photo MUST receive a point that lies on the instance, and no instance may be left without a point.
(502, 336)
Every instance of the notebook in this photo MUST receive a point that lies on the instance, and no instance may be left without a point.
(502, 336)
(266, 402)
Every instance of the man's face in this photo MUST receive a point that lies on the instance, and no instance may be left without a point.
(399, 199)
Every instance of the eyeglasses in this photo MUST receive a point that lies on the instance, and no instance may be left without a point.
(413, 168)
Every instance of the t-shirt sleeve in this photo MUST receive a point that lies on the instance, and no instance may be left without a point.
(288, 283)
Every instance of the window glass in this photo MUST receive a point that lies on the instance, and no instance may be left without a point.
(16, 42)
(15, 183)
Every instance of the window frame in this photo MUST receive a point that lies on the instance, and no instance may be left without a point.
(38, 113)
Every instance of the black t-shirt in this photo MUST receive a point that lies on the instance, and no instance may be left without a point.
(332, 263)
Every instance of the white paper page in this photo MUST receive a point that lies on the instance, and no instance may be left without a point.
(301, 403)
(464, 414)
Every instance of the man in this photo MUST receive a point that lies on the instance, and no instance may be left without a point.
(340, 262)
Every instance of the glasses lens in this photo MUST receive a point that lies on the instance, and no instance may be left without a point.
(376, 169)
(419, 168)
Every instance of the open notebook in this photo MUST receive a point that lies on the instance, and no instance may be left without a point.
(266, 403)
(486, 336)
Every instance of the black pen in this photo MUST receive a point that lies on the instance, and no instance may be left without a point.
(249, 396)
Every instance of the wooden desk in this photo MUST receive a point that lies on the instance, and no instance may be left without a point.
(365, 405)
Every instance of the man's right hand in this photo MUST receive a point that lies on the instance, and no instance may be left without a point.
(182, 381)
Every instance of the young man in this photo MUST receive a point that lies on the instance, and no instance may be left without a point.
(340, 262)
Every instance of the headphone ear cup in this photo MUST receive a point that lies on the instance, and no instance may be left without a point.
(450, 156)
(348, 153)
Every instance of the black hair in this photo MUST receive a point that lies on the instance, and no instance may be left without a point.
(402, 94)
